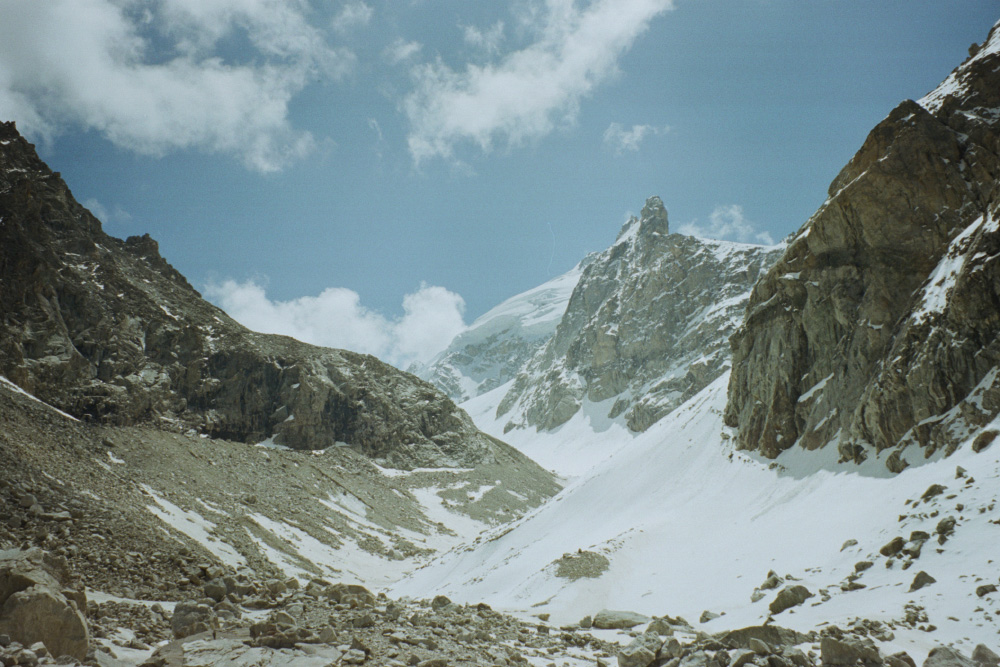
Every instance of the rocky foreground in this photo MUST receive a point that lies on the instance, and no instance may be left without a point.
(236, 618)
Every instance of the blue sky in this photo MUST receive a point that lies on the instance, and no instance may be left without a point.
(373, 174)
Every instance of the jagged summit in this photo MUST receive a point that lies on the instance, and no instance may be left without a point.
(109, 332)
(646, 327)
(652, 220)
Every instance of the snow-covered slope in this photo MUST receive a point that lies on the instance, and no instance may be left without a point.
(686, 524)
(494, 347)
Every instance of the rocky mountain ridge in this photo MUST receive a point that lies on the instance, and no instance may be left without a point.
(645, 329)
(109, 332)
(877, 329)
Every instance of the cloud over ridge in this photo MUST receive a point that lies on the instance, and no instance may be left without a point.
(432, 316)
(728, 223)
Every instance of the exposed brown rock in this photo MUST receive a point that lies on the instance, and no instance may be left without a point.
(878, 327)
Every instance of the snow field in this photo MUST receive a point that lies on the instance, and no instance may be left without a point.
(690, 525)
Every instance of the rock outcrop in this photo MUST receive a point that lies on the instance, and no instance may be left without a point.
(109, 332)
(38, 603)
(878, 327)
(646, 327)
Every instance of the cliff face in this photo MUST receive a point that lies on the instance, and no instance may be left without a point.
(646, 327)
(109, 332)
(878, 326)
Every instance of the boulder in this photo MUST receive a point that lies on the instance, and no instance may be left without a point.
(922, 579)
(660, 626)
(944, 656)
(773, 635)
(788, 597)
(607, 619)
(849, 651)
(984, 657)
(640, 652)
(893, 547)
(191, 617)
(35, 607)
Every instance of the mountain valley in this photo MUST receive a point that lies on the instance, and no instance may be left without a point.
(683, 452)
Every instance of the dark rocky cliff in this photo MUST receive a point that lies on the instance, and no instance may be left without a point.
(109, 332)
(878, 327)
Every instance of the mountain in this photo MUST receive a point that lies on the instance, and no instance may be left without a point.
(493, 348)
(874, 330)
(165, 472)
(107, 331)
(645, 329)
(877, 328)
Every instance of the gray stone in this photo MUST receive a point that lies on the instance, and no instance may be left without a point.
(933, 490)
(849, 651)
(984, 657)
(636, 654)
(660, 626)
(920, 580)
(695, 659)
(788, 597)
(191, 617)
(773, 635)
(37, 605)
(215, 589)
(945, 656)
(608, 619)
(985, 590)
(741, 657)
(893, 547)
(771, 582)
(946, 526)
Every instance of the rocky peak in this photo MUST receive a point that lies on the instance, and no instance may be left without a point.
(652, 220)
(646, 327)
(878, 327)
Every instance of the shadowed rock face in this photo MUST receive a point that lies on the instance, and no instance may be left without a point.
(647, 325)
(878, 327)
(109, 332)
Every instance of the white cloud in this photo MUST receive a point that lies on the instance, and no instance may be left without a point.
(432, 316)
(531, 91)
(153, 80)
(487, 41)
(728, 223)
(401, 51)
(352, 15)
(621, 140)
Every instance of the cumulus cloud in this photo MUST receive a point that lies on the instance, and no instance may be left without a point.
(529, 92)
(620, 140)
(730, 224)
(153, 77)
(432, 316)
